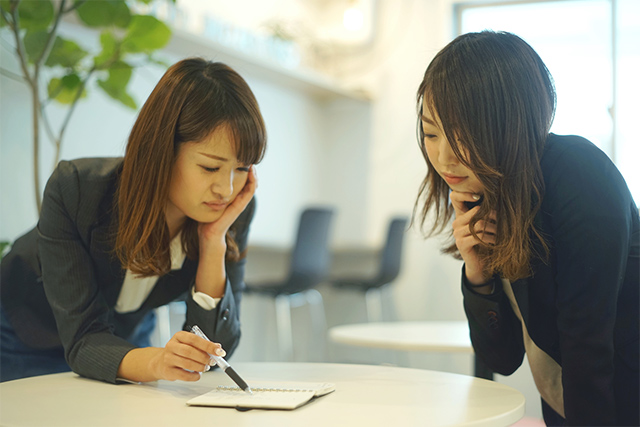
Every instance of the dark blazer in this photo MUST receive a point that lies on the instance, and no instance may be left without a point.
(65, 272)
(580, 306)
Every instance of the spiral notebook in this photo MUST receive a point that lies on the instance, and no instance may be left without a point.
(266, 395)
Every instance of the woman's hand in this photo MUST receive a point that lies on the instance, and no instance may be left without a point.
(185, 357)
(216, 231)
(465, 241)
(211, 274)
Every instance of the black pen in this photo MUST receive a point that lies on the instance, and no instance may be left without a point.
(224, 365)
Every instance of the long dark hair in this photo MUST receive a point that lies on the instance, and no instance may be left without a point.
(494, 95)
(192, 99)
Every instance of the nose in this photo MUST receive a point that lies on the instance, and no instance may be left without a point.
(446, 155)
(223, 184)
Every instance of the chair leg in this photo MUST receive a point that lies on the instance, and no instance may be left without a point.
(283, 322)
(318, 318)
(373, 300)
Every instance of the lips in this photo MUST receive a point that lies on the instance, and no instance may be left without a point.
(453, 179)
(216, 206)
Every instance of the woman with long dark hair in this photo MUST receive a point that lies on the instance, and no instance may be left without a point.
(546, 226)
(119, 237)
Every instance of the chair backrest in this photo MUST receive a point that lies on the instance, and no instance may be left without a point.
(311, 256)
(391, 257)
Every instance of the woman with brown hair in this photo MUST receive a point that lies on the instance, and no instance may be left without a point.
(119, 237)
(546, 226)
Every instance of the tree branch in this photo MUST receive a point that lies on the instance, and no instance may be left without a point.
(5, 16)
(19, 46)
(47, 126)
(52, 36)
(70, 112)
(74, 6)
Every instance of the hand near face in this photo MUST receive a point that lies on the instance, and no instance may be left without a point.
(185, 357)
(465, 241)
(215, 231)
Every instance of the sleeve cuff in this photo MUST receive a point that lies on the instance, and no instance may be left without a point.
(491, 282)
(203, 300)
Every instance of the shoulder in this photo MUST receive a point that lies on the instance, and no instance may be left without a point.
(78, 174)
(578, 173)
(571, 152)
(575, 161)
(82, 185)
(88, 169)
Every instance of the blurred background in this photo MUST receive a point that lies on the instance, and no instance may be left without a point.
(336, 81)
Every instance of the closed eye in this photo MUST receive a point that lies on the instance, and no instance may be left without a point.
(207, 169)
(244, 169)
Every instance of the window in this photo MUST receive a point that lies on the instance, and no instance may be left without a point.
(590, 48)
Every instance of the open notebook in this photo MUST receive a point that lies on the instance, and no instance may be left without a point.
(266, 395)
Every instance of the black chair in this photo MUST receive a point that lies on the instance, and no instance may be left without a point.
(309, 266)
(388, 269)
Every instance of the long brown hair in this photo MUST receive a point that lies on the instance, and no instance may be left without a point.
(494, 95)
(192, 99)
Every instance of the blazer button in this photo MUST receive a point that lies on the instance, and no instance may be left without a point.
(493, 319)
(225, 314)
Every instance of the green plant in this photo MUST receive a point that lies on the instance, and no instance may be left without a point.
(4, 247)
(60, 69)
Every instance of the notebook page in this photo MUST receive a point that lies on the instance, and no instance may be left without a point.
(319, 389)
(266, 395)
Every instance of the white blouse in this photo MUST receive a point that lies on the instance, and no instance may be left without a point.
(136, 289)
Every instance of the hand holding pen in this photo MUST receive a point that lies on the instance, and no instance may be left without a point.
(223, 364)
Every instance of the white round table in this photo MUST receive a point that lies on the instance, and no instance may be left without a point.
(365, 395)
(436, 336)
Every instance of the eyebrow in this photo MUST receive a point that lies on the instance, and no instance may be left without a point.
(428, 120)
(212, 156)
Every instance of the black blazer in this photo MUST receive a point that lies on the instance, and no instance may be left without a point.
(65, 273)
(580, 306)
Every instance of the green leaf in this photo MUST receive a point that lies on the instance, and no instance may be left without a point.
(65, 53)
(64, 90)
(109, 52)
(144, 34)
(5, 246)
(35, 15)
(5, 6)
(34, 42)
(116, 84)
(103, 13)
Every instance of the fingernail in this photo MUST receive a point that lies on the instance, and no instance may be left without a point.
(220, 352)
(206, 368)
(475, 197)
